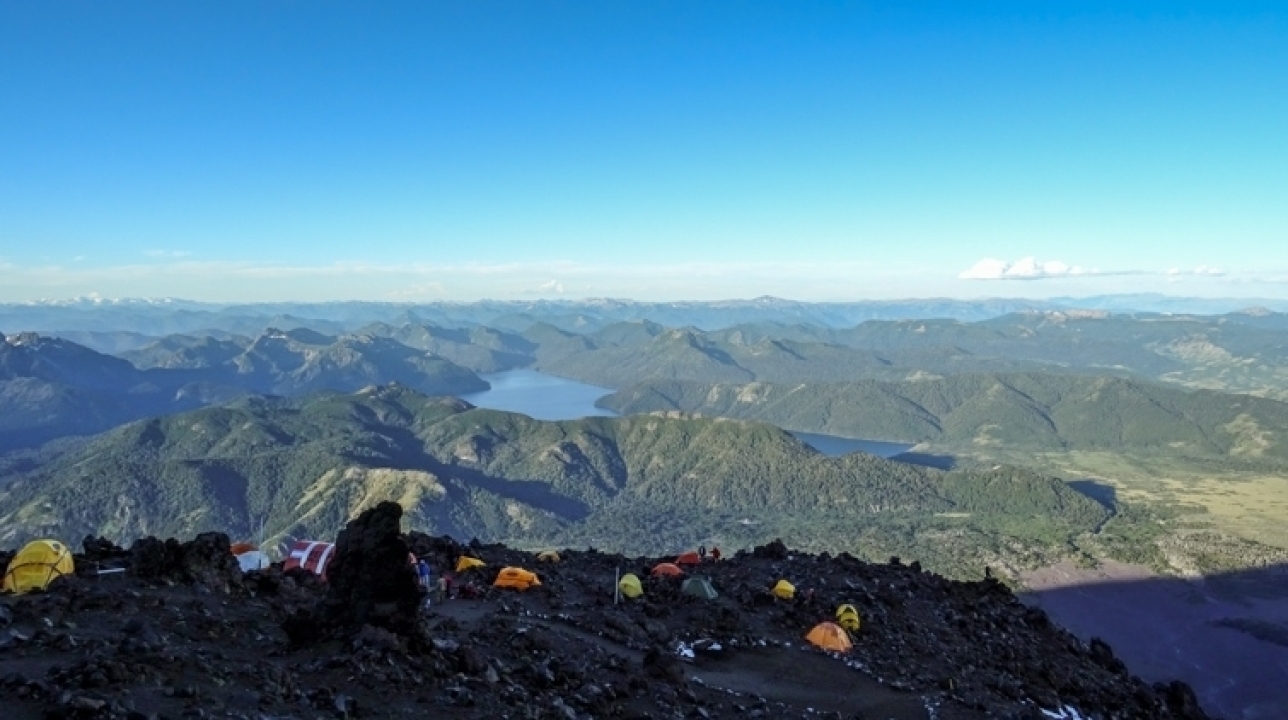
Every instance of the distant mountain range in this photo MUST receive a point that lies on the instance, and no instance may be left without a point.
(165, 317)
(50, 387)
(301, 467)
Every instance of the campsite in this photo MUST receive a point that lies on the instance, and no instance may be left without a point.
(181, 631)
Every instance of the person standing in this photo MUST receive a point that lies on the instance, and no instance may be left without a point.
(422, 569)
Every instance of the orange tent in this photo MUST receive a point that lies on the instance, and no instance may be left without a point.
(830, 636)
(688, 558)
(517, 578)
(666, 570)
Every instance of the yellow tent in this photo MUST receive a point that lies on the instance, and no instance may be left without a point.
(784, 590)
(516, 578)
(830, 636)
(466, 562)
(36, 565)
(630, 586)
(848, 618)
(548, 556)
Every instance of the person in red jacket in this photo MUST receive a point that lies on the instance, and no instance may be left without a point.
(715, 554)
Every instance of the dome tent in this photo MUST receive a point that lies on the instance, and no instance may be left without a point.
(548, 556)
(784, 590)
(830, 636)
(311, 555)
(699, 587)
(688, 558)
(36, 565)
(848, 618)
(467, 563)
(666, 570)
(517, 578)
(252, 560)
(630, 586)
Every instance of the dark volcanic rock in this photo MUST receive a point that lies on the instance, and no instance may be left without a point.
(99, 549)
(1180, 700)
(775, 550)
(155, 559)
(370, 581)
(157, 643)
(208, 560)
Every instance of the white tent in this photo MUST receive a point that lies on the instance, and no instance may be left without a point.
(253, 560)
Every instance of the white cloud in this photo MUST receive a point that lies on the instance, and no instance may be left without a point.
(167, 253)
(1027, 268)
(1176, 273)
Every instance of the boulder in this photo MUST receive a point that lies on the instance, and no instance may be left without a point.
(208, 560)
(369, 580)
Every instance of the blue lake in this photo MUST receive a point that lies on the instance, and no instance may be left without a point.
(539, 396)
(546, 397)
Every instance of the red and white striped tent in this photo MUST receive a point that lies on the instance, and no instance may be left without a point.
(311, 555)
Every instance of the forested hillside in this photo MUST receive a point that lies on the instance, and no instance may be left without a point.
(1014, 410)
(302, 467)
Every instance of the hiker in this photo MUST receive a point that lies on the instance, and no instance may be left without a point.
(443, 586)
(422, 569)
(702, 552)
(715, 554)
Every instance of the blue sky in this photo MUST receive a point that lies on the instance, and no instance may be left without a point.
(686, 150)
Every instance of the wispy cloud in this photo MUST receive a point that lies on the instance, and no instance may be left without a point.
(550, 287)
(167, 253)
(1028, 268)
(1201, 270)
(233, 281)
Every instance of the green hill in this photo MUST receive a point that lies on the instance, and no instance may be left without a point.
(303, 466)
(1039, 411)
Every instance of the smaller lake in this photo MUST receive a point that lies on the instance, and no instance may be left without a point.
(546, 397)
(835, 446)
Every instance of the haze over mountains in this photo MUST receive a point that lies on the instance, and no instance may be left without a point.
(168, 316)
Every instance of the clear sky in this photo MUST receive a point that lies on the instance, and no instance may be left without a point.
(652, 150)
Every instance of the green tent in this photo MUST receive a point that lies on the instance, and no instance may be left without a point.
(699, 587)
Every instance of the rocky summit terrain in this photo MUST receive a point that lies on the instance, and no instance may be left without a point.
(182, 633)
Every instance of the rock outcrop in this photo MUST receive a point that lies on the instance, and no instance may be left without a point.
(370, 581)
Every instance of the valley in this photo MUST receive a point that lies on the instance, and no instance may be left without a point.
(1054, 447)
